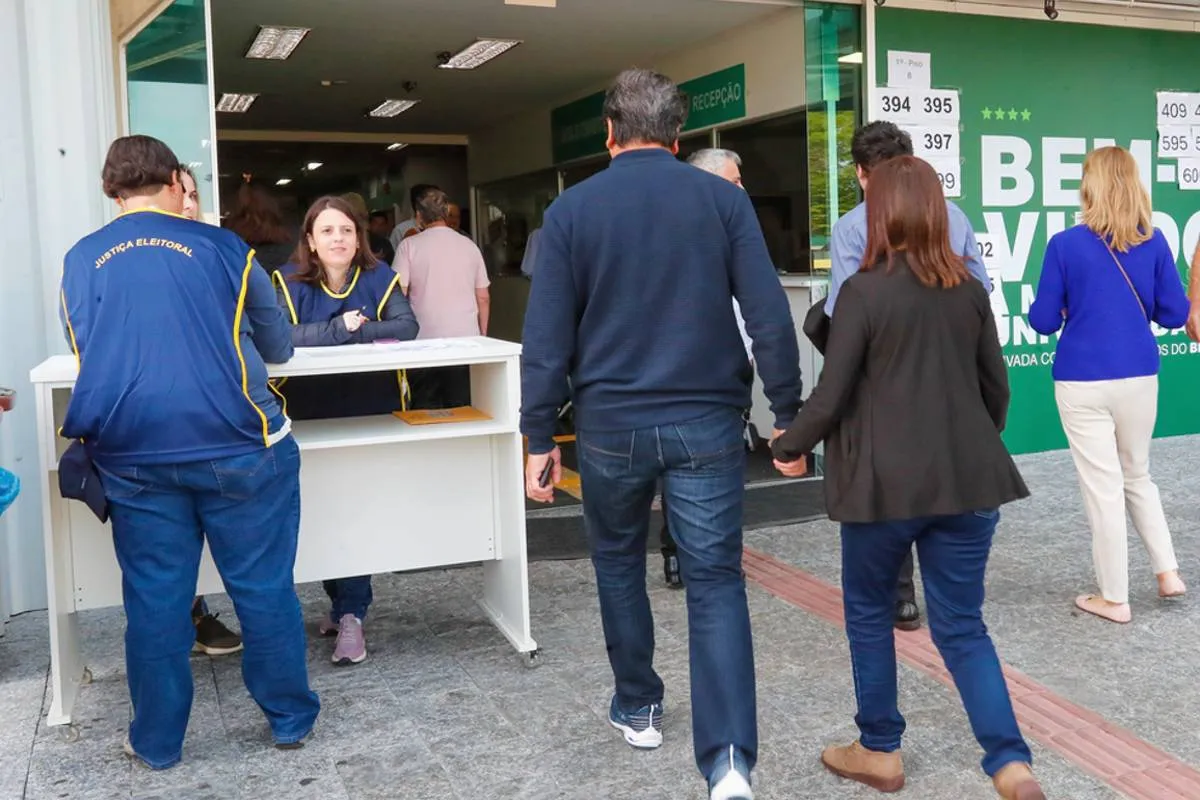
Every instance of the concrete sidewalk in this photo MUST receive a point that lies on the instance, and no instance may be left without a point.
(444, 708)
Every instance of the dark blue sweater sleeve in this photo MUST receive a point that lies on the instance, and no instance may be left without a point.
(269, 328)
(1046, 313)
(1170, 298)
(548, 341)
(766, 311)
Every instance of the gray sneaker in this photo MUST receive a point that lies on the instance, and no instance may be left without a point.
(351, 645)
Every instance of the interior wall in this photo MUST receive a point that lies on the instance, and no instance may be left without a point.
(772, 49)
(446, 171)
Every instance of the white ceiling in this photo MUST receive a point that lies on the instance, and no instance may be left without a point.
(379, 45)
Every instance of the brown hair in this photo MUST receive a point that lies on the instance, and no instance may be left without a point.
(256, 217)
(906, 212)
(433, 206)
(1115, 203)
(138, 166)
(309, 266)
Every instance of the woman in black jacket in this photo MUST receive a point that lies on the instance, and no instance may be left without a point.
(911, 403)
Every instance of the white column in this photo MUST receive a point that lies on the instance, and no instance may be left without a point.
(60, 114)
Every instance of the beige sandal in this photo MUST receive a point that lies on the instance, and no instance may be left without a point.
(1171, 585)
(1113, 612)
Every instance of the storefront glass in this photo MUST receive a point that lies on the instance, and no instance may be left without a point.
(509, 210)
(833, 56)
(774, 173)
(167, 91)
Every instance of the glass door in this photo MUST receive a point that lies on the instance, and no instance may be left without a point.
(167, 83)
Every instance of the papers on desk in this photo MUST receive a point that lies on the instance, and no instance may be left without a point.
(439, 415)
(418, 345)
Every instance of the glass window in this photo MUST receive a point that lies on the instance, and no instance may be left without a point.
(775, 176)
(509, 210)
(833, 55)
(166, 74)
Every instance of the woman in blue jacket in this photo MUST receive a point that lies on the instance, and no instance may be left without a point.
(337, 293)
(1103, 282)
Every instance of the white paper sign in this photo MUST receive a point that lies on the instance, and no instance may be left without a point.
(1178, 108)
(949, 172)
(915, 106)
(1189, 174)
(909, 69)
(934, 141)
(1176, 141)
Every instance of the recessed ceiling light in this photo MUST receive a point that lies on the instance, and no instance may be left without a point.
(314, 165)
(275, 42)
(392, 108)
(397, 145)
(236, 103)
(851, 58)
(479, 53)
(283, 181)
(338, 82)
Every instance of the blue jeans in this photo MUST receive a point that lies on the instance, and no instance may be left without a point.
(249, 509)
(954, 552)
(349, 596)
(702, 464)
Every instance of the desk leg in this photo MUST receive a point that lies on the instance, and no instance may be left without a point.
(67, 672)
(506, 579)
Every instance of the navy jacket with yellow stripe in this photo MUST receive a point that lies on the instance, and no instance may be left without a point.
(173, 324)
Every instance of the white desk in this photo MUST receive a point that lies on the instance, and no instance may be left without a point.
(442, 494)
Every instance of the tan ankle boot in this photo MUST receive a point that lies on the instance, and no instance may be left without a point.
(1015, 781)
(882, 771)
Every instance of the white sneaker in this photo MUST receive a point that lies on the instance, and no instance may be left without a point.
(734, 784)
(732, 787)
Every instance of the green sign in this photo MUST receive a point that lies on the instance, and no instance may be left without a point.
(577, 129)
(1035, 97)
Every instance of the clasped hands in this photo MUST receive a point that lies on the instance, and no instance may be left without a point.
(789, 469)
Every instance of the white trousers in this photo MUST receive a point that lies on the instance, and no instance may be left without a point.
(1109, 425)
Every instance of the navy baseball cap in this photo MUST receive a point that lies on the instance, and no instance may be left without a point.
(79, 480)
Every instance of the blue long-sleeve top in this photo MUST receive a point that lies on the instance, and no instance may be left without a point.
(631, 302)
(173, 326)
(1105, 333)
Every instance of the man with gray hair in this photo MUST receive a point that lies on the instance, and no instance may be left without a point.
(631, 318)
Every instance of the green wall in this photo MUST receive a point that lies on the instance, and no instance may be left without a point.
(1063, 89)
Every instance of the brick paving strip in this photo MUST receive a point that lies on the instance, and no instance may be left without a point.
(1100, 748)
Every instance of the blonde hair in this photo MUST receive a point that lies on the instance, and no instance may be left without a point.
(1115, 203)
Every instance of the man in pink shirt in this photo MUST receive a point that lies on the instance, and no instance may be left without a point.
(444, 276)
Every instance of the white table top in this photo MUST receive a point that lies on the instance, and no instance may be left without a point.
(422, 353)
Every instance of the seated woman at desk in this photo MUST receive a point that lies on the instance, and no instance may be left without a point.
(337, 293)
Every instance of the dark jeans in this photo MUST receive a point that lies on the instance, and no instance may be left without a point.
(349, 596)
(248, 507)
(954, 553)
(702, 463)
(441, 387)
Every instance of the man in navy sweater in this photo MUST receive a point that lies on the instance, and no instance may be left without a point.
(631, 316)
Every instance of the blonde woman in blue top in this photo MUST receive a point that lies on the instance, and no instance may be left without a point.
(1103, 282)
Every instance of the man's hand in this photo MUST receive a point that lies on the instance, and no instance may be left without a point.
(776, 433)
(1193, 323)
(792, 469)
(534, 466)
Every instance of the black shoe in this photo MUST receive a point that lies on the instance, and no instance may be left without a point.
(671, 571)
(213, 638)
(908, 616)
